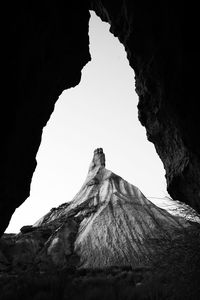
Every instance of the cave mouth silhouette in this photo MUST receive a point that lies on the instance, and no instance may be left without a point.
(100, 111)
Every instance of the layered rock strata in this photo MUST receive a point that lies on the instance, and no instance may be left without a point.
(108, 223)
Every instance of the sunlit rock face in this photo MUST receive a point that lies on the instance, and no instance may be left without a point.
(176, 208)
(108, 223)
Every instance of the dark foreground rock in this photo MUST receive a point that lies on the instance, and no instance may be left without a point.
(177, 280)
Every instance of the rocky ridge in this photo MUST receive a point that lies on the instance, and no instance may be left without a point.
(108, 223)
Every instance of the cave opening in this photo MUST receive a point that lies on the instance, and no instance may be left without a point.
(100, 112)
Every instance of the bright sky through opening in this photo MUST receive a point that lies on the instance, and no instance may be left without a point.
(100, 112)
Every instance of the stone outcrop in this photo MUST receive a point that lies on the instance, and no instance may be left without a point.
(176, 208)
(45, 50)
(108, 223)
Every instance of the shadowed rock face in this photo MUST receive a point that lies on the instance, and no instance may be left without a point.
(45, 50)
(155, 39)
(108, 223)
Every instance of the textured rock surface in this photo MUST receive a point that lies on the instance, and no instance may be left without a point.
(108, 223)
(47, 49)
(153, 36)
(47, 46)
(176, 208)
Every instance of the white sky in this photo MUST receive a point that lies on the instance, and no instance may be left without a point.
(100, 112)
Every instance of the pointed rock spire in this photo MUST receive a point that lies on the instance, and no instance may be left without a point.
(97, 167)
(98, 159)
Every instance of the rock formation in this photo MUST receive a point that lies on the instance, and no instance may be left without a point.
(108, 223)
(176, 208)
(45, 49)
(153, 38)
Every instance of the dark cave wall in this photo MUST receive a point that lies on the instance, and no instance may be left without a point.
(156, 41)
(45, 49)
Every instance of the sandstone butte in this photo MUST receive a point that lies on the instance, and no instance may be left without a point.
(108, 223)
